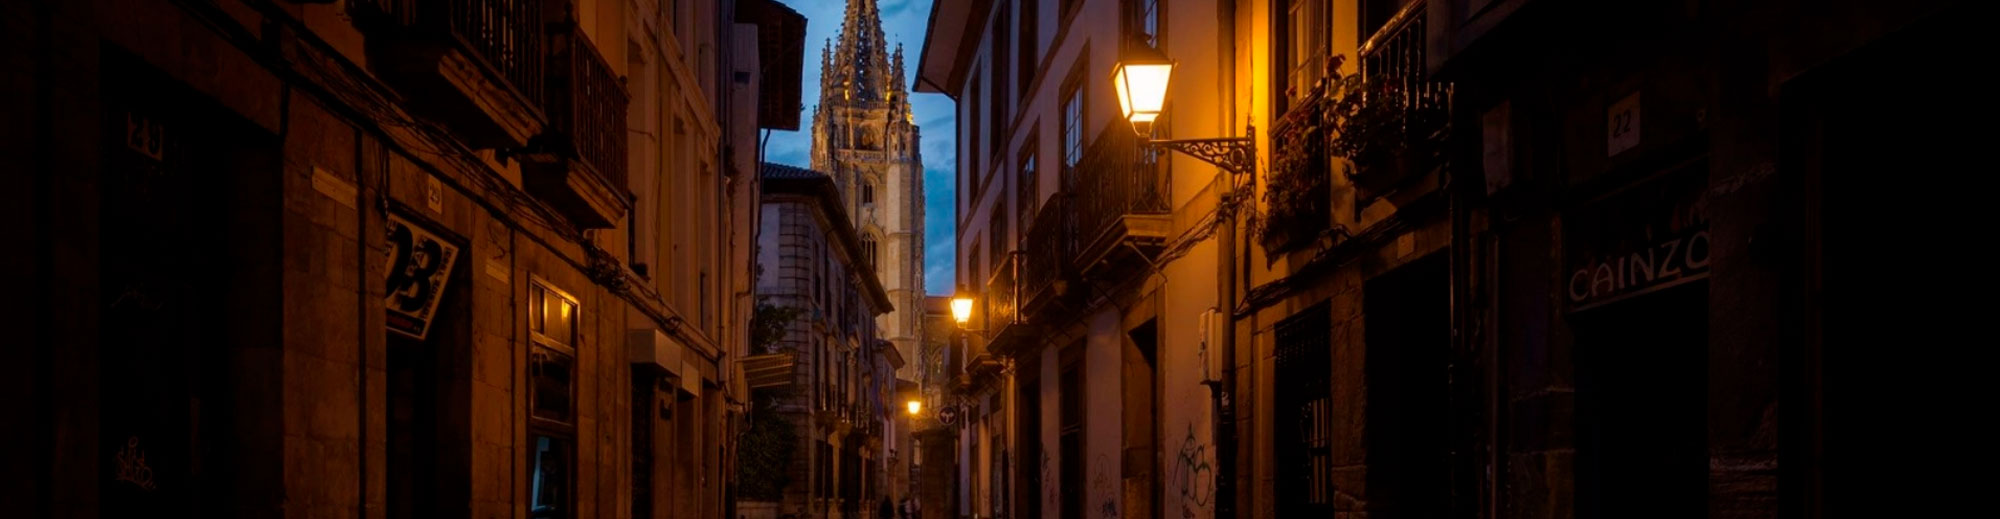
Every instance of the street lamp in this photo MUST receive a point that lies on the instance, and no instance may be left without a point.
(961, 310)
(915, 406)
(1141, 78)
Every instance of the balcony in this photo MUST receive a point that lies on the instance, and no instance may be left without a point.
(1006, 328)
(475, 65)
(578, 164)
(1406, 114)
(1046, 273)
(1121, 207)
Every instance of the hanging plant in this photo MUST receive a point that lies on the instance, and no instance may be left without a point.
(1384, 127)
(1389, 127)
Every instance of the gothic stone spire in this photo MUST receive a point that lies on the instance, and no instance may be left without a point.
(860, 70)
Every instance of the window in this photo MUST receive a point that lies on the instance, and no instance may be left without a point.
(867, 192)
(997, 242)
(554, 380)
(552, 317)
(549, 488)
(1145, 21)
(1027, 187)
(1024, 70)
(971, 263)
(1305, 47)
(869, 249)
(1000, 63)
(552, 323)
(1072, 120)
(1304, 365)
(972, 143)
(996, 119)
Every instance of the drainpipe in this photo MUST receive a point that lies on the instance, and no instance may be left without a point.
(1225, 412)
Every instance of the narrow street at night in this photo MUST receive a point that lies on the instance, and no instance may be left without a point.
(991, 259)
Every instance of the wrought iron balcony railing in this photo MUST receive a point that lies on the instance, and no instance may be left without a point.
(504, 36)
(1395, 67)
(1113, 182)
(586, 105)
(1001, 296)
(1050, 244)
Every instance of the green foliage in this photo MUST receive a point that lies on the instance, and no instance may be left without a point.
(768, 325)
(764, 456)
(764, 452)
(1374, 129)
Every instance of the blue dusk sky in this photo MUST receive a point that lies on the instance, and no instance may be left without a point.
(902, 22)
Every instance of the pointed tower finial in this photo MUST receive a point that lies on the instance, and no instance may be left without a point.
(861, 56)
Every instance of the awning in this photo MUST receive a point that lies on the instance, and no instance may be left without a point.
(771, 370)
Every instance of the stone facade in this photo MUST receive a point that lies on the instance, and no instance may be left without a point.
(1597, 283)
(238, 212)
(838, 398)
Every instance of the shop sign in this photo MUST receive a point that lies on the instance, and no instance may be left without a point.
(418, 265)
(1640, 240)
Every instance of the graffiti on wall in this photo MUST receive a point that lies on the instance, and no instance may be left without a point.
(1191, 476)
(1101, 486)
(132, 465)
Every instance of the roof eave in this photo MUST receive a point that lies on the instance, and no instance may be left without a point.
(963, 22)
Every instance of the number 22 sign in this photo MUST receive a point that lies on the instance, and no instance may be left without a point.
(1621, 127)
(419, 264)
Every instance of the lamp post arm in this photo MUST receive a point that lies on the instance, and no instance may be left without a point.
(1232, 154)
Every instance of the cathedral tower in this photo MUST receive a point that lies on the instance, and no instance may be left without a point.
(866, 138)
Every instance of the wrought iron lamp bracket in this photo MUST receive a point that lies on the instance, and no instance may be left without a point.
(1233, 154)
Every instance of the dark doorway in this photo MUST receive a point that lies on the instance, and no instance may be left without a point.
(1641, 406)
(1033, 464)
(1070, 433)
(1408, 331)
(429, 401)
(1142, 412)
(1848, 388)
(412, 428)
(188, 247)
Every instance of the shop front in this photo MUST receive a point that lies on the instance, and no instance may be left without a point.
(1635, 284)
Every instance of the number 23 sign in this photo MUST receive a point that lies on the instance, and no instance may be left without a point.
(418, 265)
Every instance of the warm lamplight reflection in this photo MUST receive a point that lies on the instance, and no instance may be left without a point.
(961, 310)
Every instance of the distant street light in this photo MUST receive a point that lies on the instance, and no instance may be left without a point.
(915, 406)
